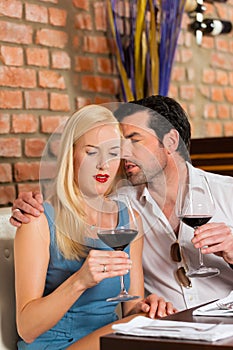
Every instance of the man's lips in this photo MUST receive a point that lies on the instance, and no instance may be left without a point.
(130, 166)
(101, 177)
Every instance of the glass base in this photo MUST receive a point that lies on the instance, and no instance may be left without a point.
(203, 271)
(123, 297)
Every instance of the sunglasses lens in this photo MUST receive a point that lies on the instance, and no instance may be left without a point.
(175, 252)
(182, 278)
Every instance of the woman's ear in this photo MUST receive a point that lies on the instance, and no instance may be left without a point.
(171, 140)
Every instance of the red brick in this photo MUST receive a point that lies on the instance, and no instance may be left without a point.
(11, 99)
(7, 195)
(95, 44)
(53, 147)
(81, 4)
(53, 38)
(5, 172)
(37, 57)
(187, 92)
(48, 169)
(210, 110)
(100, 84)
(221, 77)
(217, 94)
(4, 123)
(59, 102)
(178, 73)
(10, 147)
(104, 100)
(186, 55)
(57, 17)
(61, 60)
(222, 44)
(207, 42)
(11, 8)
(83, 21)
(34, 147)
(223, 111)
(50, 124)
(75, 41)
(231, 78)
(228, 128)
(229, 94)
(84, 64)
(82, 101)
(219, 60)
(36, 13)
(12, 56)
(173, 91)
(192, 110)
(24, 123)
(51, 1)
(106, 65)
(205, 91)
(51, 79)
(15, 33)
(28, 187)
(100, 16)
(26, 171)
(208, 76)
(213, 129)
(36, 99)
(17, 77)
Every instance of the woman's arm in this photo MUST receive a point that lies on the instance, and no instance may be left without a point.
(36, 314)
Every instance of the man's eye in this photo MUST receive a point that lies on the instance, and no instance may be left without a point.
(134, 140)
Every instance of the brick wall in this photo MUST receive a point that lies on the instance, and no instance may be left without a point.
(54, 58)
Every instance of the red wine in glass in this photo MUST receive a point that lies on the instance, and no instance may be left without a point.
(118, 237)
(195, 207)
(195, 220)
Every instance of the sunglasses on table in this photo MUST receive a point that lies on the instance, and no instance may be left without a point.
(180, 273)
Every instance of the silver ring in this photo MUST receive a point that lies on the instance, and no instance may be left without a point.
(104, 268)
(16, 210)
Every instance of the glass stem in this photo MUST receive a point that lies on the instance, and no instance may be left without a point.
(201, 262)
(123, 290)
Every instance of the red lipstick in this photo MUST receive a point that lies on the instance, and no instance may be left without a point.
(101, 178)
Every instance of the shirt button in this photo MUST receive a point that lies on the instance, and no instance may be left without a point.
(190, 298)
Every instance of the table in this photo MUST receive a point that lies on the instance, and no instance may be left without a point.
(122, 342)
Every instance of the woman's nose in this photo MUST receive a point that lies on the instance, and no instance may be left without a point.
(102, 164)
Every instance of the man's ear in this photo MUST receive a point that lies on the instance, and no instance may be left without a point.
(171, 140)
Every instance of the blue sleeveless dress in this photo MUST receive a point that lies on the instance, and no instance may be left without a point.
(91, 311)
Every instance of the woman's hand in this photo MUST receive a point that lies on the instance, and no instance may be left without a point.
(155, 306)
(101, 264)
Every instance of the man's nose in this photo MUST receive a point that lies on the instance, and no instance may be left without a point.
(126, 148)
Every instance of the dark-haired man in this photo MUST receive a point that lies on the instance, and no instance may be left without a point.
(157, 138)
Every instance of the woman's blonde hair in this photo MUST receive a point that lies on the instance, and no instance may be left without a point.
(67, 199)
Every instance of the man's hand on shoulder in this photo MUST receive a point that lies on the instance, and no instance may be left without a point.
(26, 203)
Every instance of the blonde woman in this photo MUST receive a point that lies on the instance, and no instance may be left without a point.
(61, 284)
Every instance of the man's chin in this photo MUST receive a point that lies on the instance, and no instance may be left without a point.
(136, 180)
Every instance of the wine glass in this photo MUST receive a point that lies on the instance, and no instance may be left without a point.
(195, 207)
(117, 227)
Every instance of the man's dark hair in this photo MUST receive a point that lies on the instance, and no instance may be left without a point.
(165, 114)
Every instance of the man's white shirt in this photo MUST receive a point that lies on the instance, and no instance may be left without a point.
(159, 268)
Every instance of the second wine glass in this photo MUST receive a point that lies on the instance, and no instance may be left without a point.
(117, 227)
(195, 207)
